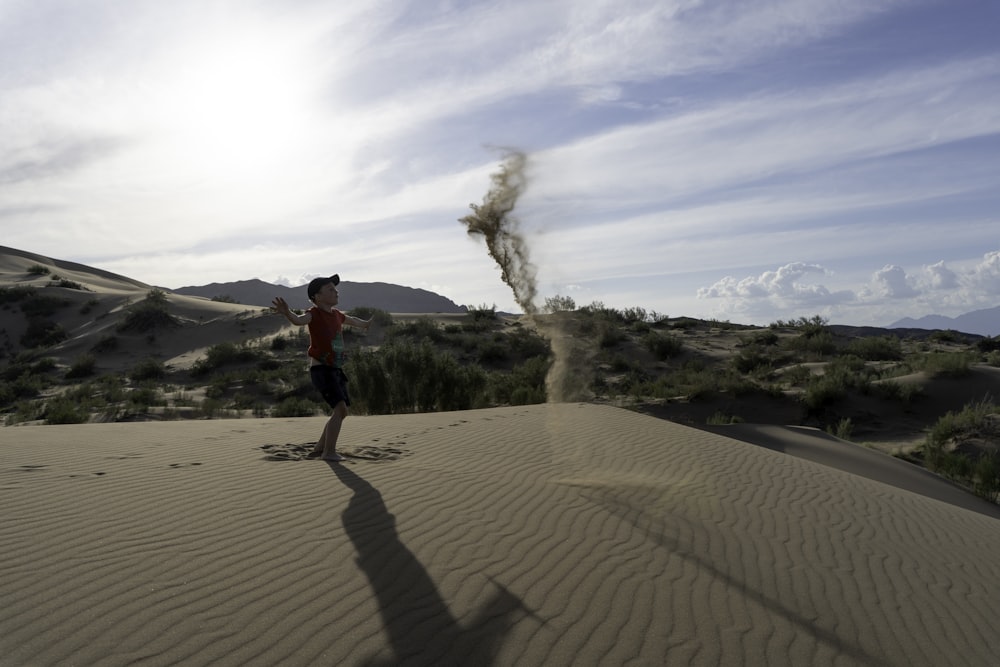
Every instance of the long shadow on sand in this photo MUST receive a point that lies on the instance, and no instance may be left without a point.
(420, 627)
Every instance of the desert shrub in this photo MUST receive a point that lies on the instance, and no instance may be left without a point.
(989, 344)
(38, 270)
(150, 314)
(842, 430)
(986, 476)
(524, 385)
(43, 305)
(720, 418)
(86, 308)
(403, 376)
(822, 392)
(224, 354)
(295, 406)
(993, 358)
(69, 284)
(482, 312)
(751, 359)
(981, 474)
(841, 376)
(767, 338)
(493, 352)
(797, 375)
(144, 396)
(905, 393)
(876, 348)
(946, 336)
(947, 364)
(526, 343)
(16, 293)
(278, 343)
(558, 304)
(610, 334)
(816, 343)
(422, 327)
(150, 369)
(43, 333)
(106, 344)
(83, 367)
(65, 411)
(663, 346)
(634, 314)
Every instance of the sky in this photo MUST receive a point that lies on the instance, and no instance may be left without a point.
(743, 160)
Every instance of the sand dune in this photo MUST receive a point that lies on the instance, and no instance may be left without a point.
(542, 535)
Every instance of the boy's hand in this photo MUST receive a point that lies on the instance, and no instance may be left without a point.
(280, 305)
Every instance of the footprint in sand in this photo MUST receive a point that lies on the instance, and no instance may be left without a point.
(295, 452)
(287, 452)
(183, 465)
(376, 453)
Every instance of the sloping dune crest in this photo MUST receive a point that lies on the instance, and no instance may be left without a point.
(543, 535)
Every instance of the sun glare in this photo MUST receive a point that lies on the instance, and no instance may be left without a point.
(235, 110)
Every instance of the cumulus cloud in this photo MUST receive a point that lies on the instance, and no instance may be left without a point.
(891, 282)
(939, 277)
(985, 276)
(786, 287)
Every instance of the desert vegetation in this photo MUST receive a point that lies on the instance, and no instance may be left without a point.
(698, 372)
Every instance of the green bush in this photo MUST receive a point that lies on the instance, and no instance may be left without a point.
(38, 270)
(981, 474)
(876, 348)
(43, 333)
(751, 359)
(106, 344)
(224, 354)
(65, 411)
(403, 376)
(83, 367)
(989, 344)
(16, 293)
(422, 327)
(663, 346)
(43, 305)
(948, 364)
(150, 369)
(295, 406)
(150, 314)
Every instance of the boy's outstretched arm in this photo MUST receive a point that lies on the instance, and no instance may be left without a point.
(281, 306)
(355, 322)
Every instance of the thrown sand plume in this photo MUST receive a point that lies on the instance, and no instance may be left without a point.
(493, 220)
(568, 378)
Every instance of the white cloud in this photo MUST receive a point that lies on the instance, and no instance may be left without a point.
(985, 276)
(938, 277)
(785, 287)
(891, 282)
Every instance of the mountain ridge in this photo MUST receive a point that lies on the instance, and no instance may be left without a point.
(983, 322)
(385, 296)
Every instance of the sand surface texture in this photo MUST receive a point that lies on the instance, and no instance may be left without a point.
(541, 535)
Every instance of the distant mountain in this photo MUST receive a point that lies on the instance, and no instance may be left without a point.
(984, 322)
(391, 298)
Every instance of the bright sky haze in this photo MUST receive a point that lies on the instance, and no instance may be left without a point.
(746, 160)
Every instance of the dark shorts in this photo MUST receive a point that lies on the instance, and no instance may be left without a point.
(331, 383)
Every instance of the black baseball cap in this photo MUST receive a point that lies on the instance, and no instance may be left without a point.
(316, 284)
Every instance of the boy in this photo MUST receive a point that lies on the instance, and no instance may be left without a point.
(326, 352)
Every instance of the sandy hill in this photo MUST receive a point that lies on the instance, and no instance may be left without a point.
(76, 307)
(555, 535)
